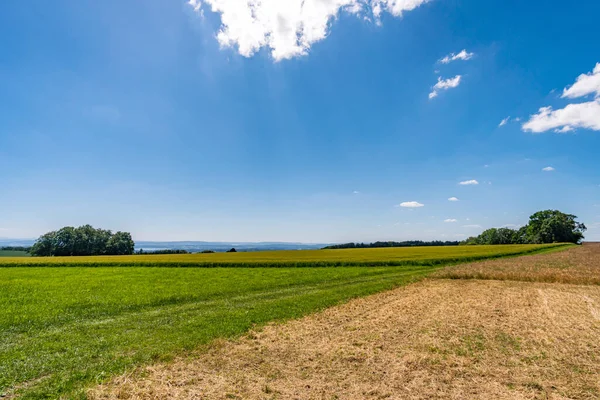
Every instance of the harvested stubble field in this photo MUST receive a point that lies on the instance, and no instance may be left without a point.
(503, 335)
(63, 329)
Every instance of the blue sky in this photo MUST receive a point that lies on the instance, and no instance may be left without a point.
(206, 121)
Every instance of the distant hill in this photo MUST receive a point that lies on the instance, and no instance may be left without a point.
(194, 246)
(197, 246)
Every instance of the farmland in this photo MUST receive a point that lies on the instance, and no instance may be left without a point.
(63, 329)
(512, 328)
(287, 258)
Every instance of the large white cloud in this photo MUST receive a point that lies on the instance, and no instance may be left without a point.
(579, 115)
(576, 115)
(288, 27)
(585, 84)
(444, 84)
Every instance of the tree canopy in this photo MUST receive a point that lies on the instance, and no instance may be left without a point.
(83, 241)
(408, 243)
(549, 226)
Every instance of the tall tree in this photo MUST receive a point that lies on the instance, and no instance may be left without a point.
(551, 226)
(83, 241)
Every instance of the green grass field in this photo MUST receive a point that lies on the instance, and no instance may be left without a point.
(12, 253)
(63, 329)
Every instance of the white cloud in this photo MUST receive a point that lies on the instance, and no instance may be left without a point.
(473, 226)
(580, 115)
(411, 204)
(356, 192)
(511, 226)
(471, 182)
(548, 169)
(196, 5)
(585, 84)
(576, 115)
(450, 220)
(444, 84)
(504, 121)
(564, 129)
(289, 27)
(453, 199)
(463, 55)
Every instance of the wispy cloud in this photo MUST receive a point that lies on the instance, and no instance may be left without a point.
(462, 55)
(450, 220)
(453, 199)
(444, 84)
(410, 204)
(548, 169)
(504, 121)
(576, 115)
(469, 182)
(472, 226)
(288, 28)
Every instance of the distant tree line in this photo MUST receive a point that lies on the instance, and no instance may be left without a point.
(408, 243)
(549, 226)
(163, 251)
(16, 248)
(83, 241)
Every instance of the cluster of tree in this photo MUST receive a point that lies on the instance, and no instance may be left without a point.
(409, 243)
(16, 248)
(163, 251)
(83, 241)
(549, 226)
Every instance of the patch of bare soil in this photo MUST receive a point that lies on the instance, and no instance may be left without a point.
(578, 265)
(451, 339)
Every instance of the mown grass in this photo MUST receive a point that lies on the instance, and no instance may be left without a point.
(13, 253)
(294, 258)
(62, 329)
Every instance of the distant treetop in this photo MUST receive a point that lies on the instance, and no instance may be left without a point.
(83, 241)
(549, 226)
(409, 243)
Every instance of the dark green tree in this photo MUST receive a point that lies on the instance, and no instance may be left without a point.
(553, 226)
(120, 243)
(83, 241)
